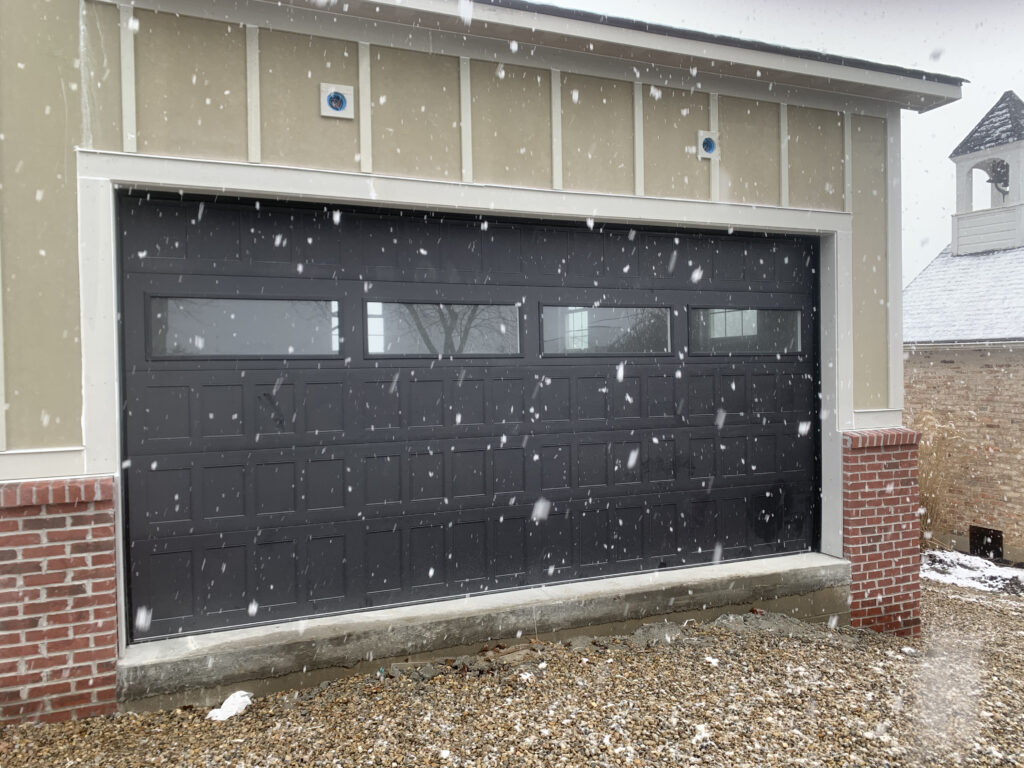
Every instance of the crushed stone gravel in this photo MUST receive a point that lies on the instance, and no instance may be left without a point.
(750, 690)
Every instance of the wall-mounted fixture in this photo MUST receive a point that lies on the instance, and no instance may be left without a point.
(707, 145)
(337, 101)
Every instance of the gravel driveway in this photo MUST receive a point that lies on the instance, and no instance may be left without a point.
(745, 691)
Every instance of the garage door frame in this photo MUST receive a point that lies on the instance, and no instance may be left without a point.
(100, 173)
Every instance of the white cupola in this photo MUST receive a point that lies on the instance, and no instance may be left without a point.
(994, 147)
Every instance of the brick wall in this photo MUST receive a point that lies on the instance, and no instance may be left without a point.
(58, 599)
(972, 400)
(881, 529)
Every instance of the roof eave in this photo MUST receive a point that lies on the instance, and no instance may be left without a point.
(623, 38)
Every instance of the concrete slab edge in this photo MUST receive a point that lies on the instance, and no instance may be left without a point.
(199, 662)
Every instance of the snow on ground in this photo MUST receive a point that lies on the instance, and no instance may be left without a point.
(968, 571)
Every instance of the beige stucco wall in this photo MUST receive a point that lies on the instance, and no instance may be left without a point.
(816, 162)
(748, 132)
(511, 114)
(40, 123)
(190, 87)
(292, 130)
(101, 76)
(597, 134)
(415, 114)
(191, 96)
(671, 121)
(870, 264)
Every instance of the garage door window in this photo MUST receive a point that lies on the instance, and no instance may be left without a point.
(720, 330)
(606, 330)
(213, 327)
(415, 330)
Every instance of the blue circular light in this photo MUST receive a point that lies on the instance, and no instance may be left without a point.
(708, 145)
(337, 101)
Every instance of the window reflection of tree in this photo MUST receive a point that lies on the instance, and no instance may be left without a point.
(642, 330)
(451, 329)
(607, 330)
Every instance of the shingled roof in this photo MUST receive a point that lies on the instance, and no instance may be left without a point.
(1003, 124)
(973, 298)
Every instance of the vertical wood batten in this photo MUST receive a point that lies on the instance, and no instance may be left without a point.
(252, 89)
(638, 138)
(556, 129)
(129, 131)
(847, 162)
(783, 156)
(365, 100)
(466, 118)
(715, 191)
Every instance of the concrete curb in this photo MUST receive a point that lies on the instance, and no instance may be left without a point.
(202, 663)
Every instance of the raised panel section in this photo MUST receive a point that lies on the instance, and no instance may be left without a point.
(426, 403)
(166, 413)
(326, 484)
(509, 470)
(469, 473)
(223, 574)
(426, 476)
(325, 408)
(555, 462)
(276, 577)
(275, 488)
(382, 479)
(223, 492)
(470, 559)
(220, 411)
(326, 567)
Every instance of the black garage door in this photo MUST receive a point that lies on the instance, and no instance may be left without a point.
(329, 409)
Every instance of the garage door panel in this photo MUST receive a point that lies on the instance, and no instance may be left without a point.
(350, 471)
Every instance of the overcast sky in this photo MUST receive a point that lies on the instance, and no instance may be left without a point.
(982, 41)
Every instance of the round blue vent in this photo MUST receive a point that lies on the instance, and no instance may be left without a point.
(337, 101)
(708, 145)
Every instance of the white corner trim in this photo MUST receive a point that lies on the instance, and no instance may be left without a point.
(556, 129)
(638, 138)
(836, 361)
(129, 130)
(783, 156)
(714, 192)
(894, 234)
(847, 162)
(466, 118)
(252, 90)
(3, 390)
(98, 279)
(365, 115)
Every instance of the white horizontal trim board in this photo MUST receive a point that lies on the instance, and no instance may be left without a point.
(377, 31)
(878, 418)
(393, 191)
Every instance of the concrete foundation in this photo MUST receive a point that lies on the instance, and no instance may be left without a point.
(202, 669)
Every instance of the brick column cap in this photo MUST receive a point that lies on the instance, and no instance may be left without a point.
(878, 438)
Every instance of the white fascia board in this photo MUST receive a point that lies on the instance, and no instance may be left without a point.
(369, 22)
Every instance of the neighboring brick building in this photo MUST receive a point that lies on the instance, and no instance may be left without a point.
(963, 327)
